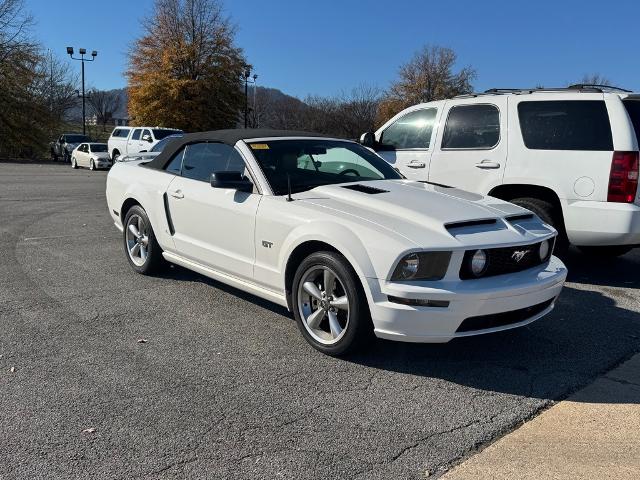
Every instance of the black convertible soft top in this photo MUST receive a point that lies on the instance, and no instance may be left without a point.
(229, 137)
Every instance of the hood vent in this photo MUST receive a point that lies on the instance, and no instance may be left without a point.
(517, 218)
(365, 189)
(470, 223)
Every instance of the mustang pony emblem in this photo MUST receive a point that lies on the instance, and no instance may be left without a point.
(519, 255)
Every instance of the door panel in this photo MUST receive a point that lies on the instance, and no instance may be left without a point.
(214, 227)
(407, 142)
(471, 148)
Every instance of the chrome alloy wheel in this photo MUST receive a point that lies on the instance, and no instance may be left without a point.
(137, 236)
(323, 304)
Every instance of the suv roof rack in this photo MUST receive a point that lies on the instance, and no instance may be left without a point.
(518, 91)
(583, 86)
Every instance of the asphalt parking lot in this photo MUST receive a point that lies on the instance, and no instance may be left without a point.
(225, 386)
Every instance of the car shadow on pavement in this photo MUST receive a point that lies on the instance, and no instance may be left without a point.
(621, 271)
(585, 336)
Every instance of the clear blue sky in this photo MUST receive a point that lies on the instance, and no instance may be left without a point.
(326, 46)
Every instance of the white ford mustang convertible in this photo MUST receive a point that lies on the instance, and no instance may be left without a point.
(328, 229)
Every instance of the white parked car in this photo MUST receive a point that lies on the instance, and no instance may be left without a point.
(91, 156)
(330, 230)
(152, 153)
(570, 155)
(132, 140)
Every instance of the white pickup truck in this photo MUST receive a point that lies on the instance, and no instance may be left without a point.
(131, 140)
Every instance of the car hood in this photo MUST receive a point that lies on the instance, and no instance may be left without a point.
(428, 214)
(101, 156)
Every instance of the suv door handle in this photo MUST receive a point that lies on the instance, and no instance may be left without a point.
(415, 164)
(487, 164)
(177, 194)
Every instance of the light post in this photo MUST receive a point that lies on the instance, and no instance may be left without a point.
(83, 52)
(247, 76)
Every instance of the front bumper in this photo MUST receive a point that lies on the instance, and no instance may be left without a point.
(102, 164)
(602, 223)
(467, 298)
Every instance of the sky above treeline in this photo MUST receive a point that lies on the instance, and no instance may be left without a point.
(328, 47)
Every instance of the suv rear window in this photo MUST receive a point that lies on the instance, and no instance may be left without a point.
(633, 109)
(474, 127)
(565, 125)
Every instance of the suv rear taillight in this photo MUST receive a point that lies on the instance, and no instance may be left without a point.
(623, 180)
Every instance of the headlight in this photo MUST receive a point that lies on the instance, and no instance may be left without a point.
(422, 266)
(479, 263)
(545, 250)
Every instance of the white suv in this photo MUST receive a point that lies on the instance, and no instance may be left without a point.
(570, 155)
(132, 140)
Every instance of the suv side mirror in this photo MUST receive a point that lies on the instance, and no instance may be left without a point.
(147, 138)
(368, 140)
(232, 180)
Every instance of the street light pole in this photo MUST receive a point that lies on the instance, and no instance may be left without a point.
(83, 52)
(246, 76)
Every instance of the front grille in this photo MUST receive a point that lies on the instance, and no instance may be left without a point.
(484, 322)
(504, 260)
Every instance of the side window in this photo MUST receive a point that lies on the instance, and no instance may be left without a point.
(472, 127)
(202, 159)
(115, 133)
(412, 130)
(175, 165)
(565, 125)
(136, 134)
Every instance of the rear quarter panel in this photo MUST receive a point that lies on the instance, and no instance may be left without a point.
(130, 180)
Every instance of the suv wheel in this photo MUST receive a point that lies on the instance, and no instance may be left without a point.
(329, 304)
(608, 251)
(548, 213)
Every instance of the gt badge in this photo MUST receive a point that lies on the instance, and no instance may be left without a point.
(266, 244)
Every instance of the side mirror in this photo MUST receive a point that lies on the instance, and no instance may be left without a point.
(231, 180)
(368, 140)
(147, 138)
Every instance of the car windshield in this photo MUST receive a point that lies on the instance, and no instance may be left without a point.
(315, 162)
(158, 147)
(160, 133)
(99, 147)
(76, 138)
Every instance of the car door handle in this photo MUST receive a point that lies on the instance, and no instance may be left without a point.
(415, 164)
(487, 164)
(177, 194)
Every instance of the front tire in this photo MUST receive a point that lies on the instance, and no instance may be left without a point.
(329, 304)
(74, 163)
(140, 244)
(549, 214)
(92, 166)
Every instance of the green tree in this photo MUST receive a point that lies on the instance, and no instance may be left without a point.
(185, 70)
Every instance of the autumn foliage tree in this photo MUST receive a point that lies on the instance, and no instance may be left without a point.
(428, 76)
(184, 72)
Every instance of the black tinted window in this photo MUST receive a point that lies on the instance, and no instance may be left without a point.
(120, 132)
(98, 147)
(136, 134)
(175, 165)
(202, 159)
(633, 109)
(160, 133)
(565, 125)
(472, 126)
(413, 130)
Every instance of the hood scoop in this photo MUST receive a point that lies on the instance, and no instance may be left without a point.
(365, 189)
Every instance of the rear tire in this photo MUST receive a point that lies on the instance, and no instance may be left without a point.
(549, 214)
(607, 252)
(140, 244)
(329, 304)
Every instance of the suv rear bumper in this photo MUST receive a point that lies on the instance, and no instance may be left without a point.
(602, 223)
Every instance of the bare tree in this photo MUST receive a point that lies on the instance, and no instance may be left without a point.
(428, 76)
(594, 79)
(104, 104)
